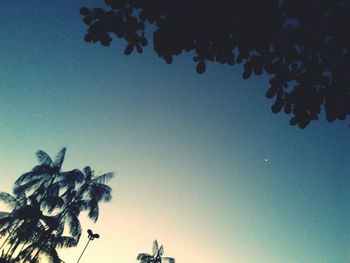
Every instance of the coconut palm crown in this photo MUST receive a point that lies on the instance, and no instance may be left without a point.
(156, 256)
(45, 202)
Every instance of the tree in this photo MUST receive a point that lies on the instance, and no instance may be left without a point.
(47, 246)
(45, 202)
(156, 257)
(302, 45)
(20, 224)
(95, 190)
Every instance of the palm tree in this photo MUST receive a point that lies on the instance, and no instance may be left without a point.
(156, 257)
(46, 180)
(46, 245)
(22, 224)
(23, 211)
(94, 189)
(45, 201)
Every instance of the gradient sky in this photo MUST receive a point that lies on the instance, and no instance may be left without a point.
(201, 163)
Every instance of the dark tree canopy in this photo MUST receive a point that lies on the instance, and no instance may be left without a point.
(303, 45)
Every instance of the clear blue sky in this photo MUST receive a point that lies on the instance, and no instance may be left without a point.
(202, 164)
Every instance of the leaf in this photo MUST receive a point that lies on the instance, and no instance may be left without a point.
(88, 19)
(129, 48)
(59, 158)
(302, 124)
(43, 157)
(85, 11)
(88, 37)
(143, 41)
(105, 39)
(138, 48)
(161, 251)
(8, 199)
(168, 260)
(99, 12)
(287, 108)
(88, 173)
(168, 58)
(155, 247)
(247, 70)
(277, 106)
(70, 178)
(201, 67)
(144, 257)
(272, 91)
(258, 68)
(103, 178)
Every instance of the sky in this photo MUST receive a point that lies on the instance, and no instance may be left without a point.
(201, 163)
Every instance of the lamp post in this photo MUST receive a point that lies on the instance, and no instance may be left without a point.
(91, 236)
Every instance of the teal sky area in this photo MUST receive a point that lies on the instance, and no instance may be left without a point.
(201, 162)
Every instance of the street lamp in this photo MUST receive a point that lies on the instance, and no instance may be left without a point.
(91, 236)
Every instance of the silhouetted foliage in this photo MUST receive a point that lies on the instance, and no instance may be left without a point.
(303, 45)
(45, 203)
(156, 256)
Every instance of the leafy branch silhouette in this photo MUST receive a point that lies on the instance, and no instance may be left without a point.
(303, 45)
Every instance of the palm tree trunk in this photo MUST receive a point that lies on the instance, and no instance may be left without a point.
(36, 254)
(21, 249)
(14, 248)
(28, 255)
(10, 234)
(9, 249)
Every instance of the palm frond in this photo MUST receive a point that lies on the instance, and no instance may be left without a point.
(51, 198)
(100, 192)
(74, 226)
(144, 257)
(70, 178)
(168, 260)
(4, 215)
(8, 199)
(160, 251)
(59, 158)
(23, 178)
(39, 171)
(102, 179)
(43, 157)
(51, 254)
(65, 242)
(31, 185)
(93, 210)
(154, 247)
(88, 173)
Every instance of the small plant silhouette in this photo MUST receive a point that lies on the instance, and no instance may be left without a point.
(156, 257)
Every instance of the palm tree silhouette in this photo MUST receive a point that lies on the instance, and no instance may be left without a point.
(25, 223)
(86, 197)
(95, 190)
(45, 201)
(9, 221)
(46, 180)
(25, 214)
(156, 256)
(46, 245)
